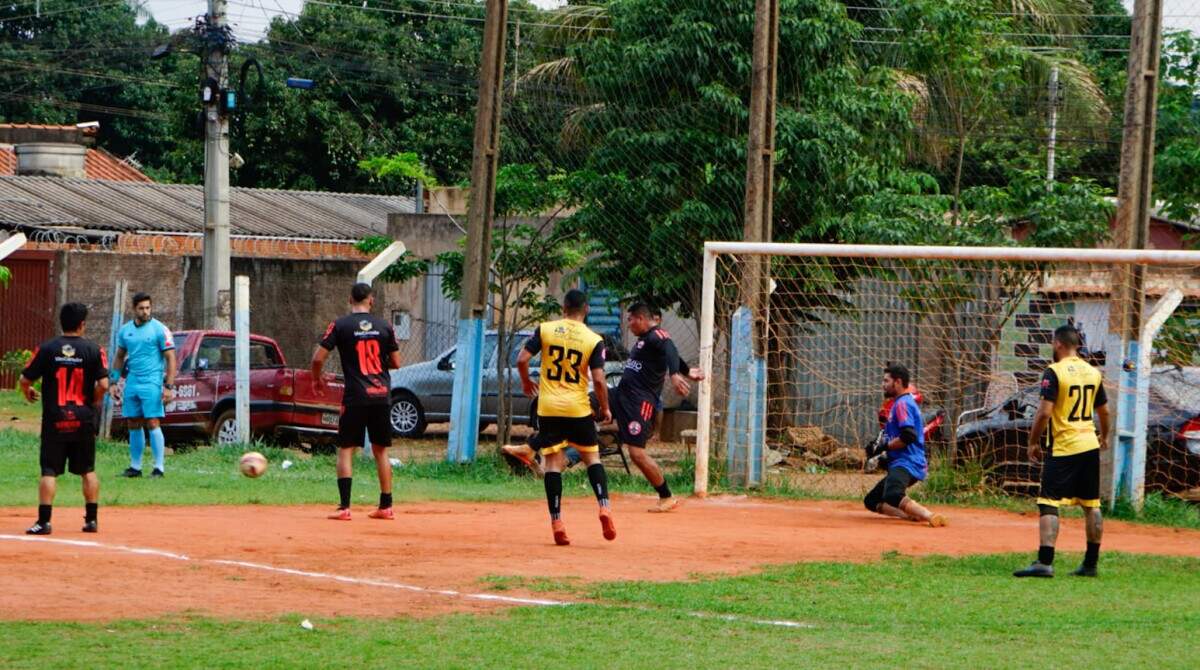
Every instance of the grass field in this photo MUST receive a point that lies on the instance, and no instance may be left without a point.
(895, 612)
(209, 475)
(898, 612)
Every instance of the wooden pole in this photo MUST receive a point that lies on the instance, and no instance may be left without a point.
(1134, 200)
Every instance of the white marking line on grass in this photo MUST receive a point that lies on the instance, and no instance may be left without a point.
(540, 602)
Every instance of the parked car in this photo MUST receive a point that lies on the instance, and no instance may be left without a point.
(421, 392)
(282, 402)
(997, 437)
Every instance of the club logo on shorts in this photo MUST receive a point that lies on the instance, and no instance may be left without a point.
(68, 351)
(635, 428)
(364, 325)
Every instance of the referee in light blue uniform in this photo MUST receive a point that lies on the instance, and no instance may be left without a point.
(146, 354)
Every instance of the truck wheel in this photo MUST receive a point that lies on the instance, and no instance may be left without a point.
(407, 415)
(224, 429)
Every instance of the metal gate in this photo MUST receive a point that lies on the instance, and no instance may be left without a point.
(441, 314)
(27, 307)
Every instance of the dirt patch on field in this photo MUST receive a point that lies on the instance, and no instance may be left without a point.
(251, 561)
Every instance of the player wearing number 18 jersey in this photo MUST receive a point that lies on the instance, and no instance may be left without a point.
(571, 357)
(74, 378)
(367, 349)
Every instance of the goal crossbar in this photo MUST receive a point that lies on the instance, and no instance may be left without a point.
(1012, 254)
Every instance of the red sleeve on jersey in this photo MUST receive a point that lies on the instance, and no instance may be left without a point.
(328, 340)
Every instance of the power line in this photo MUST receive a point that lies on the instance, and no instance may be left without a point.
(87, 107)
(84, 73)
(68, 10)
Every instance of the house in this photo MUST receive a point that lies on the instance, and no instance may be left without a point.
(298, 248)
(38, 149)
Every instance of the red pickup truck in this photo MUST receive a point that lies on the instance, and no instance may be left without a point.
(282, 402)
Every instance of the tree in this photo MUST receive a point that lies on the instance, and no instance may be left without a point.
(80, 61)
(531, 245)
(661, 118)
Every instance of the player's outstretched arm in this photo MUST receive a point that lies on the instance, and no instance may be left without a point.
(115, 375)
(316, 368)
(527, 385)
(169, 385)
(27, 390)
(600, 386)
(1105, 417)
(1040, 421)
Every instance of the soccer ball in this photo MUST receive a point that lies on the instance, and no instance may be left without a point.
(253, 464)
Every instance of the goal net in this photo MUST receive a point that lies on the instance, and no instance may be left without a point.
(795, 367)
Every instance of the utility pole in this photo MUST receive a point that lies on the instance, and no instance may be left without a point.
(749, 363)
(468, 361)
(1053, 134)
(215, 264)
(1134, 200)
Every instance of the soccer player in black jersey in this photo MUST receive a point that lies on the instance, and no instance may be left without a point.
(74, 374)
(635, 401)
(367, 348)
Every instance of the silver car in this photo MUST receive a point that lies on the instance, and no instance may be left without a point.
(421, 392)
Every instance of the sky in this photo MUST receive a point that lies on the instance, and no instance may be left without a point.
(251, 17)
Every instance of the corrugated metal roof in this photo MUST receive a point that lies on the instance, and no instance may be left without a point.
(133, 207)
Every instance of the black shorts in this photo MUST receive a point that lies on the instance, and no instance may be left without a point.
(891, 487)
(358, 421)
(556, 433)
(634, 415)
(79, 451)
(1071, 480)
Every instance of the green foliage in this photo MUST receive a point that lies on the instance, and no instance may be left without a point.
(1177, 139)
(529, 243)
(406, 267)
(405, 166)
(665, 162)
(1178, 343)
(1160, 510)
(5, 276)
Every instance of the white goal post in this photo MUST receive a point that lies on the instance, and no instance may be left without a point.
(721, 277)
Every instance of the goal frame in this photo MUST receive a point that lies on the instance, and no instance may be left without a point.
(1131, 402)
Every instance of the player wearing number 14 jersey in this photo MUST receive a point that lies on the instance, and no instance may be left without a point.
(367, 348)
(74, 378)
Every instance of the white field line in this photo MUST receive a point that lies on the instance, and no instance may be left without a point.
(379, 583)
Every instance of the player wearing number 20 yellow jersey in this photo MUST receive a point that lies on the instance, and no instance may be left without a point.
(1064, 433)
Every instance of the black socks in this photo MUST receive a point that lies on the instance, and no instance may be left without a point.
(344, 491)
(385, 500)
(553, 483)
(44, 514)
(1092, 556)
(90, 510)
(599, 481)
(664, 491)
(1046, 555)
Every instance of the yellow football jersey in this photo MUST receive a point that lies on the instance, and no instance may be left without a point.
(570, 350)
(1076, 388)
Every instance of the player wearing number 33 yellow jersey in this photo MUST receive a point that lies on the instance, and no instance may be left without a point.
(572, 357)
(565, 345)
